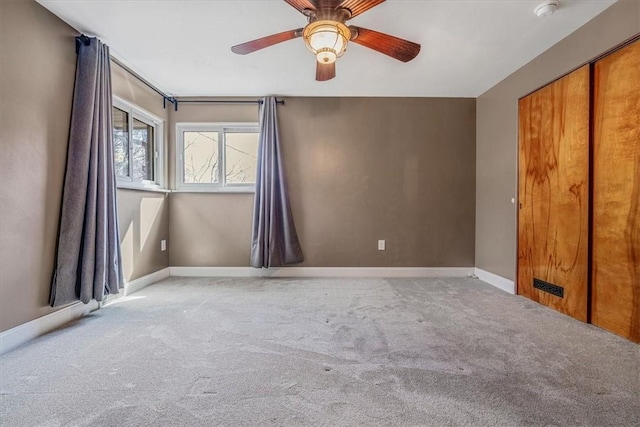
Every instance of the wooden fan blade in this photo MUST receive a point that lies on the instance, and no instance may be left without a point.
(326, 4)
(359, 6)
(301, 5)
(325, 72)
(400, 49)
(253, 45)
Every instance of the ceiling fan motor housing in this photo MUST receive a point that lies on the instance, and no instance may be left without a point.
(339, 14)
(326, 34)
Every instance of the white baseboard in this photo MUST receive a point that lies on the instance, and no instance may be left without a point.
(322, 272)
(497, 281)
(19, 335)
(144, 281)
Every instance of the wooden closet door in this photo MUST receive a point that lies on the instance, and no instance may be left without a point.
(616, 193)
(553, 194)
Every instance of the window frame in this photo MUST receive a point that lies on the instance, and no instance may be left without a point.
(222, 186)
(137, 113)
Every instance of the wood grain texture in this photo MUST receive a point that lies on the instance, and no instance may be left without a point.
(358, 7)
(553, 192)
(301, 5)
(397, 48)
(326, 4)
(261, 43)
(325, 72)
(616, 193)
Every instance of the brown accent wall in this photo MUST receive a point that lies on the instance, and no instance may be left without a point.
(144, 222)
(359, 170)
(37, 70)
(143, 216)
(209, 229)
(497, 129)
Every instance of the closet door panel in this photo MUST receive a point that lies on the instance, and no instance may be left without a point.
(553, 194)
(616, 193)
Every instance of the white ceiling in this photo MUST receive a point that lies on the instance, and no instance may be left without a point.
(183, 46)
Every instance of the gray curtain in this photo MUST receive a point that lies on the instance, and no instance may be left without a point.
(88, 261)
(275, 241)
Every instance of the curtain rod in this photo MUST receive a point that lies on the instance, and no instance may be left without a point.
(82, 39)
(213, 101)
(164, 96)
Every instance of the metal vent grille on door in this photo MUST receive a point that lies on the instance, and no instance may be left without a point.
(549, 288)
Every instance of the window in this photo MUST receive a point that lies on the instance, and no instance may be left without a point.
(137, 146)
(216, 157)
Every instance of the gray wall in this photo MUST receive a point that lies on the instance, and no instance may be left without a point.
(36, 89)
(497, 130)
(359, 170)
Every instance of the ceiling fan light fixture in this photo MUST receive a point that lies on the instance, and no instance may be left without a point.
(327, 35)
(326, 56)
(326, 39)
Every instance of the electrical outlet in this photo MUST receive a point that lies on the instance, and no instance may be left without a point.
(163, 245)
(381, 245)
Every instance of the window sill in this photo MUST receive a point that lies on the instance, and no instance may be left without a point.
(225, 190)
(137, 187)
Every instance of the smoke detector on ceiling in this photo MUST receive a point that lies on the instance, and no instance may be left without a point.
(546, 8)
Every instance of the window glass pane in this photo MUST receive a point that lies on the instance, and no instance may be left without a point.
(201, 157)
(241, 156)
(143, 151)
(121, 142)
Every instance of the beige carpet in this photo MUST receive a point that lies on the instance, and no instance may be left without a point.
(396, 352)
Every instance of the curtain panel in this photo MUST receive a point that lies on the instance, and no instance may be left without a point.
(274, 237)
(88, 260)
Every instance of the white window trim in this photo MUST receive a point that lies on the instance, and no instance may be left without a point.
(222, 186)
(144, 116)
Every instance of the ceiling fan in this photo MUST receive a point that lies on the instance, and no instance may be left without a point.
(327, 35)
